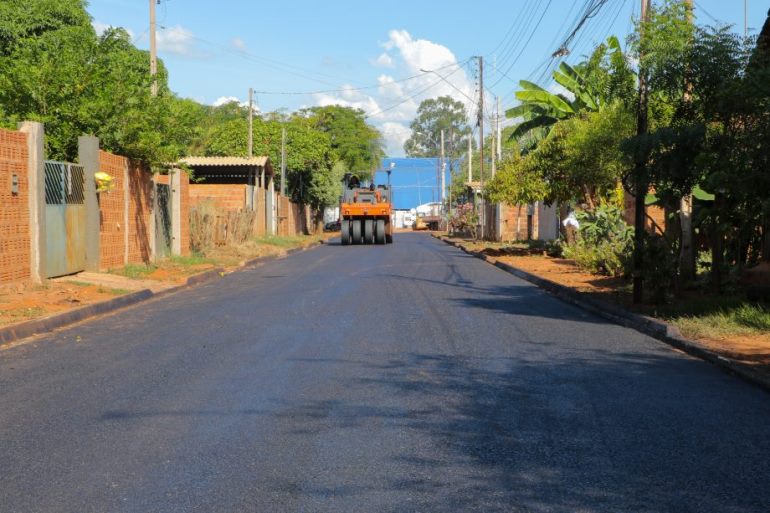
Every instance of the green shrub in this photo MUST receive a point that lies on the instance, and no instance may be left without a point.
(605, 242)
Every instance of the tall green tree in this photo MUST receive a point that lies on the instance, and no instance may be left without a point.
(433, 116)
(358, 144)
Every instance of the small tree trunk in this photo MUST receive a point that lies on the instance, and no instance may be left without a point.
(686, 246)
(765, 257)
(717, 245)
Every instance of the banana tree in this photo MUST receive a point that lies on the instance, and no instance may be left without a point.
(540, 109)
(606, 76)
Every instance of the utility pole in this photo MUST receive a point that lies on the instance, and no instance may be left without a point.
(470, 159)
(499, 134)
(443, 165)
(481, 145)
(283, 162)
(745, 18)
(641, 182)
(493, 125)
(251, 123)
(153, 51)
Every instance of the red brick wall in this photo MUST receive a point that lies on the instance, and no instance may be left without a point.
(112, 207)
(224, 196)
(111, 213)
(657, 213)
(139, 208)
(14, 208)
(514, 223)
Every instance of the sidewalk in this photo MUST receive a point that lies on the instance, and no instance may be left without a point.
(27, 309)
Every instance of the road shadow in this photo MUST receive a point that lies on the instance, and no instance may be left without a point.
(600, 432)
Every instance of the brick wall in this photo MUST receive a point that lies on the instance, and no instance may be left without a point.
(655, 212)
(111, 213)
(14, 208)
(139, 209)
(224, 196)
(514, 222)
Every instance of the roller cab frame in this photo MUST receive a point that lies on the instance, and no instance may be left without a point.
(365, 213)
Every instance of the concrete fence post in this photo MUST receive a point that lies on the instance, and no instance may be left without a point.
(176, 211)
(88, 157)
(36, 176)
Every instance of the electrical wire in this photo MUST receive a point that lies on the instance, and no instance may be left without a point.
(526, 44)
(362, 88)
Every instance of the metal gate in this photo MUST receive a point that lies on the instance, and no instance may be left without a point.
(65, 219)
(162, 220)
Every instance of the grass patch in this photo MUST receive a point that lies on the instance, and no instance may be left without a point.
(80, 283)
(189, 260)
(282, 241)
(741, 319)
(22, 313)
(135, 271)
(111, 291)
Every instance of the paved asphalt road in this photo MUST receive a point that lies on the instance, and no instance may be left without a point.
(410, 377)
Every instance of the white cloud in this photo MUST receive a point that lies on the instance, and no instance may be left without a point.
(394, 103)
(383, 61)
(177, 40)
(395, 135)
(238, 43)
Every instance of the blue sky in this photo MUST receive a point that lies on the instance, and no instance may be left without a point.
(217, 50)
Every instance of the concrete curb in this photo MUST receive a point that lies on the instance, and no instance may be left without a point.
(16, 332)
(654, 328)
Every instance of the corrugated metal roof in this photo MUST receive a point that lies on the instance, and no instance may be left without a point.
(225, 161)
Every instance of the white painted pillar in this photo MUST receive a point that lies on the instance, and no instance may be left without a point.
(36, 176)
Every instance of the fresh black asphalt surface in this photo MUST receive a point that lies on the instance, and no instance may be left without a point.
(410, 377)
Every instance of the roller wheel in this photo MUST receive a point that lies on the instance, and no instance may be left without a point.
(355, 229)
(368, 231)
(345, 232)
(389, 238)
(379, 233)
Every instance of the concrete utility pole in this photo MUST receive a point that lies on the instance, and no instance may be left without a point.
(481, 145)
(470, 158)
(153, 51)
(283, 162)
(443, 166)
(499, 134)
(641, 182)
(745, 18)
(251, 123)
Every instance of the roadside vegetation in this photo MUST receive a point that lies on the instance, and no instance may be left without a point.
(54, 68)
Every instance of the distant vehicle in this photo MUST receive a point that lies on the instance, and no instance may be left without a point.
(365, 213)
(334, 226)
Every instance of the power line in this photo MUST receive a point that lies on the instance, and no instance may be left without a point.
(411, 97)
(347, 89)
(526, 44)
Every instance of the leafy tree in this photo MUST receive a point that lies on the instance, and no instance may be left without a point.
(604, 78)
(433, 116)
(358, 144)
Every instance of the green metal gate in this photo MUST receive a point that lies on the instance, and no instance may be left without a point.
(162, 220)
(65, 219)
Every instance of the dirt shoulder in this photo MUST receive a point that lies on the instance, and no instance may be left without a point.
(711, 322)
(21, 302)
